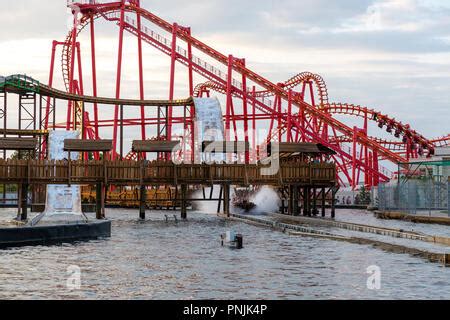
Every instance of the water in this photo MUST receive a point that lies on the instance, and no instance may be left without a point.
(366, 217)
(184, 260)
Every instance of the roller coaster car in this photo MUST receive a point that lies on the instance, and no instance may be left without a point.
(241, 198)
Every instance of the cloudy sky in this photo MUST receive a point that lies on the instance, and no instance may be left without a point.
(391, 55)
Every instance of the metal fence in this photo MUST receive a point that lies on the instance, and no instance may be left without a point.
(412, 196)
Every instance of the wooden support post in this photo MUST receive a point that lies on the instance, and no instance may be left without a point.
(24, 202)
(183, 201)
(305, 201)
(19, 201)
(176, 198)
(142, 202)
(315, 212)
(308, 197)
(220, 199)
(333, 203)
(291, 201)
(295, 200)
(323, 202)
(98, 201)
(226, 199)
(69, 169)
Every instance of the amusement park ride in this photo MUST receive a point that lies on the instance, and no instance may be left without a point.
(297, 110)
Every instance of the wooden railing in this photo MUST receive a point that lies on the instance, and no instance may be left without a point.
(147, 173)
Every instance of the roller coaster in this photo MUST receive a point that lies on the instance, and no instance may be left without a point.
(297, 110)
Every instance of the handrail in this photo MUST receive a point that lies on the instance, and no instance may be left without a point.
(157, 172)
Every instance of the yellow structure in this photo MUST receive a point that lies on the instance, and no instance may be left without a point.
(156, 197)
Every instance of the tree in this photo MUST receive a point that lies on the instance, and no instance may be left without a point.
(24, 155)
(364, 195)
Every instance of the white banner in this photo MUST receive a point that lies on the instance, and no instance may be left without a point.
(209, 118)
(62, 199)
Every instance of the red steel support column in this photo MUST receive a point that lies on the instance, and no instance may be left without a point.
(47, 106)
(254, 123)
(234, 121)
(80, 70)
(50, 83)
(355, 133)
(302, 123)
(172, 80)
(376, 180)
(72, 66)
(118, 79)
(81, 92)
(289, 115)
(190, 70)
(280, 120)
(141, 71)
(245, 106)
(191, 93)
(229, 97)
(313, 103)
(94, 76)
(366, 151)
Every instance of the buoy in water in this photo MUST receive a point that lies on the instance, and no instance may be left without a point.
(232, 239)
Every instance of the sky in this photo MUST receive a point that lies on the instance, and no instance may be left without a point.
(390, 55)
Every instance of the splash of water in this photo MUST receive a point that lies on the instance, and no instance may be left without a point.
(266, 200)
(210, 207)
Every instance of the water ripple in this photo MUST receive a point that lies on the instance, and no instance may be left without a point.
(184, 260)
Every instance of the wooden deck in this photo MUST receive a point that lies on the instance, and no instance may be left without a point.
(132, 173)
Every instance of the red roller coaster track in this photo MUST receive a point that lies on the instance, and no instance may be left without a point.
(290, 108)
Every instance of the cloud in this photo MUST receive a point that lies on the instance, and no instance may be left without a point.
(392, 55)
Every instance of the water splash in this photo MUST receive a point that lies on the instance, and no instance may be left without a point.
(266, 200)
(210, 207)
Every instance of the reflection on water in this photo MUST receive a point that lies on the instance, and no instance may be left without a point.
(184, 260)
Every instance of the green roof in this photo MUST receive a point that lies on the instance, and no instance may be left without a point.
(21, 82)
(439, 163)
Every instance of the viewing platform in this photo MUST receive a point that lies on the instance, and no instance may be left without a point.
(132, 173)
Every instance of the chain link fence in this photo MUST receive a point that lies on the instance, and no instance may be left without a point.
(413, 196)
